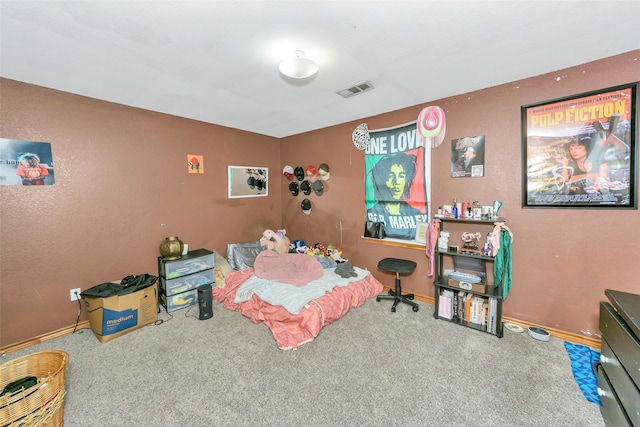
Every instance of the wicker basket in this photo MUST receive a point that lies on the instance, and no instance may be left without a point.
(42, 404)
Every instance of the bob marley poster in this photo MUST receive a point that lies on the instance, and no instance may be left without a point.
(25, 163)
(396, 187)
(580, 151)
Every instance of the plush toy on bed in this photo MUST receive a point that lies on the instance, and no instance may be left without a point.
(276, 241)
(299, 247)
(335, 254)
(319, 250)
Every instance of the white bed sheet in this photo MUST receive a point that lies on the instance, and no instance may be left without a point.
(294, 298)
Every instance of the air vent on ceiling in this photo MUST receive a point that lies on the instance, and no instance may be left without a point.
(356, 89)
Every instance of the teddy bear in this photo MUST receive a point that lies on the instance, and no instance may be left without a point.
(276, 241)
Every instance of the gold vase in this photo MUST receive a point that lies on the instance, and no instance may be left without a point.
(171, 248)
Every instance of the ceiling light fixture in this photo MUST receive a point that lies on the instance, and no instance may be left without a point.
(298, 66)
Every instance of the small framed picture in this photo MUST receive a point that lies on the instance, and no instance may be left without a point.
(421, 232)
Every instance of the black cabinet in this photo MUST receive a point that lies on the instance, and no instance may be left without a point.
(474, 305)
(619, 368)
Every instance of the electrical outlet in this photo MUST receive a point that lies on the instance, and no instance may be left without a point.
(75, 294)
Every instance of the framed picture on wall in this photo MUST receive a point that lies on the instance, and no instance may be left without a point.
(247, 181)
(421, 232)
(581, 151)
(467, 157)
(26, 163)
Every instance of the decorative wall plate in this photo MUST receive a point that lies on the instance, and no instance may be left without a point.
(361, 138)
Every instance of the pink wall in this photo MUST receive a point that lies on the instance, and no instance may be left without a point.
(563, 259)
(121, 187)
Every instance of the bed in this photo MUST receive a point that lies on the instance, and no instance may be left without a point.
(294, 312)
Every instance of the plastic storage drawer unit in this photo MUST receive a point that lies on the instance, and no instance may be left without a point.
(192, 262)
(178, 301)
(186, 283)
(180, 278)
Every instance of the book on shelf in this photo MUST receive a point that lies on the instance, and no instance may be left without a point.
(485, 312)
(493, 308)
(467, 307)
(461, 304)
(477, 315)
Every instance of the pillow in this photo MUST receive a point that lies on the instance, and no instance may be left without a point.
(243, 255)
(294, 269)
(222, 268)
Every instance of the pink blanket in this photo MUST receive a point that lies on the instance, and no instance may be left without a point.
(295, 269)
(291, 331)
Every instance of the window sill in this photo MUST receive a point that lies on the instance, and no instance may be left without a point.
(411, 244)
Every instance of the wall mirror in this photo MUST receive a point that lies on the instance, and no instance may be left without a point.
(247, 181)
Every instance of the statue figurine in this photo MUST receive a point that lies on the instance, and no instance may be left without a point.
(443, 241)
(471, 242)
(488, 246)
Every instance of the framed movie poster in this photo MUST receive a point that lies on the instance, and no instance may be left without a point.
(581, 151)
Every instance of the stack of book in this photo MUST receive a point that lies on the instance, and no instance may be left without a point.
(473, 309)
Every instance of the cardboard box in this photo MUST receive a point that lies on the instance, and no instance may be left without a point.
(474, 287)
(117, 315)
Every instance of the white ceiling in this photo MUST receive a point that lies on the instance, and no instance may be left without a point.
(217, 61)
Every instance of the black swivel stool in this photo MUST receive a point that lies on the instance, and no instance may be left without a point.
(398, 266)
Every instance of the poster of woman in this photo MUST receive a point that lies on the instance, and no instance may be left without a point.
(580, 151)
(396, 189)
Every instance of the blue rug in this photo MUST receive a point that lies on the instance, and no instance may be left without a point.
(583, 360)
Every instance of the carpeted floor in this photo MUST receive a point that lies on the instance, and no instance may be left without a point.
(370, 368)
(582, 365)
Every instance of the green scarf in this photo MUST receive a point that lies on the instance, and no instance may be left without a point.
(502, 262)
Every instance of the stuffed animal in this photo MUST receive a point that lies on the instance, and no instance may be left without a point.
(335, 254)
(275, 241)
(319, 250)
(299, 246)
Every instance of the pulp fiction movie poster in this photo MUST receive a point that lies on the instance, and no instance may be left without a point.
(580, 151)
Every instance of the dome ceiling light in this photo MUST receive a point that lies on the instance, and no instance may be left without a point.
(298, 66)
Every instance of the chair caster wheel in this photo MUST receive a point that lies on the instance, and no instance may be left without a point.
(390, 292)
(378, 299)
(393, 309)
(415, 308)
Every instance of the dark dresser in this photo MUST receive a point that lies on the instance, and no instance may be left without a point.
(619, 368)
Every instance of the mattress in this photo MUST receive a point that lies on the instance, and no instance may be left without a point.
(293, 330)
